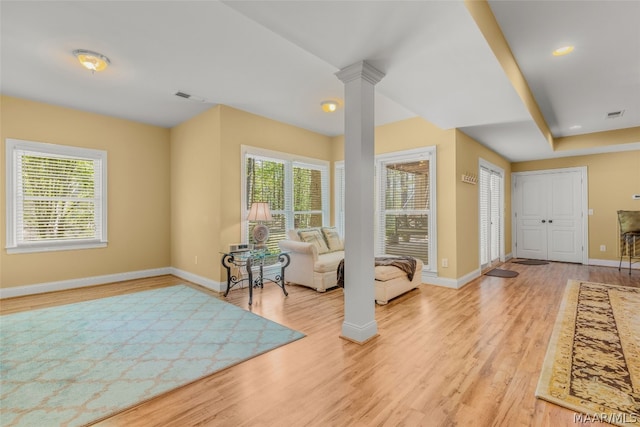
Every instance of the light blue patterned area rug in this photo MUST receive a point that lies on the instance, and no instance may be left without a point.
(77, 363)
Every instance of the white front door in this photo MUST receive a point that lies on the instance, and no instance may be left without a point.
(548, 214)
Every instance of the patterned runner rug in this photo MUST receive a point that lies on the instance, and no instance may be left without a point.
(592, 365)
(78, 363)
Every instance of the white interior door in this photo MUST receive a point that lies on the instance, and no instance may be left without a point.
(564, 223)
(531, 216)
(548, 215)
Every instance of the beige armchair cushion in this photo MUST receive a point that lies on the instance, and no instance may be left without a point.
(388, 272)
(333, 239)
(314, 236)
(328, 262)
(293, 235)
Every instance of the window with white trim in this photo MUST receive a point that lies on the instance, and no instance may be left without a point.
(296, 188)
(405, 208)
(56, 197)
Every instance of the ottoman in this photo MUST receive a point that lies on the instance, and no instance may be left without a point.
(391, 282)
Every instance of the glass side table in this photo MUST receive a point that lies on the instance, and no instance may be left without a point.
(254, 258)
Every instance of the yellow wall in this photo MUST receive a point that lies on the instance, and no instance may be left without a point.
(196, 191)
(415, 133)
(206, 165)
(457, 202)
(468, 154)
(138, 182)
(613, 178)
(190, 178)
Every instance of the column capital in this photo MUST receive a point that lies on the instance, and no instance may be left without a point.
(360, 70)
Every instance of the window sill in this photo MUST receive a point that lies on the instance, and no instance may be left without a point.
(53, 247)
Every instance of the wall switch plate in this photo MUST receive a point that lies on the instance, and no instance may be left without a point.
(590, 211)
(603, 248)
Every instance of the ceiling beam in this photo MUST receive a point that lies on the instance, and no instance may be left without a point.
(598, 139)
(483, 16)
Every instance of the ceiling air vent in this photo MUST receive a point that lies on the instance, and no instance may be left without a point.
(190, 97)
(183, 95)
(615, 114)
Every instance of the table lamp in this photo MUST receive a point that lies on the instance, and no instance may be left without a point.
(260, 212)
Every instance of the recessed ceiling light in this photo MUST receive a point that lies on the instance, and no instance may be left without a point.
(329, 106)
(564, 50)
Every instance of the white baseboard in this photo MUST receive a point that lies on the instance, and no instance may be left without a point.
(359, 333)
(199, 280)
(221, 286)
(452, 283)
(61, 285)
(40, 288)
(612, 263)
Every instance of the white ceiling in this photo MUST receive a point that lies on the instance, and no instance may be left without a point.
(278, 59)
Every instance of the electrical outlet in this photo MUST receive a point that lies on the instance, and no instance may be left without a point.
(445, 262)
(603, 248)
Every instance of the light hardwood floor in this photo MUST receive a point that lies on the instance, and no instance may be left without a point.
(468, 357)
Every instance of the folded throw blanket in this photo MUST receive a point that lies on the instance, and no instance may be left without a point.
(404, 263)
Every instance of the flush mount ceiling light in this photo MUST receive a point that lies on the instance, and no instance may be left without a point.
(564, 50)
(90, 60)
(329, 106)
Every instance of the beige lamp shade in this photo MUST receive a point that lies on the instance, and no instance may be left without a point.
(259, 212)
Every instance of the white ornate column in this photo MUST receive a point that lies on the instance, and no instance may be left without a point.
(359, 157)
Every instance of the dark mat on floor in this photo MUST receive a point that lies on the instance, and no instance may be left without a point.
(501, 273)
(531, 262)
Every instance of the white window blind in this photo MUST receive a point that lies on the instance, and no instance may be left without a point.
(484, 217)
(491, 222)
(56, 197)
(297, 190)
(495, 183)
(405, 208)
(265, 182)
(309, 186)
(405, 214)
(339, 188)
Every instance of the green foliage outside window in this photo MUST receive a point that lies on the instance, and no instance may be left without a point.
(266, 182)
(58, 198)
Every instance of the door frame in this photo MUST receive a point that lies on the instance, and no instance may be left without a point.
(583, 200)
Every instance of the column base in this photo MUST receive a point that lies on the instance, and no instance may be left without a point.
(359, 334)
